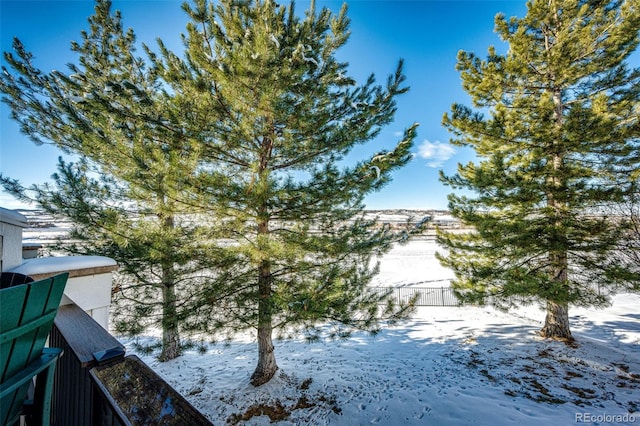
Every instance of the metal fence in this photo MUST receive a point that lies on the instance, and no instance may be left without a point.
(427, 296)
(445, 296)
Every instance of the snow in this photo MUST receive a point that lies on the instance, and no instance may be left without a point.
(44, 229)
(76, 99)
(377, 170)
(12, 217)
(47, 265)
(275, 40)
(310, 60)
(413, 265)
(444, 366)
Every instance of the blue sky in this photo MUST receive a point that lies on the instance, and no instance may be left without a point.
(426, 34)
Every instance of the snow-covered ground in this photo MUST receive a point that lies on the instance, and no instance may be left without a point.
(413, 265)
(445, 366)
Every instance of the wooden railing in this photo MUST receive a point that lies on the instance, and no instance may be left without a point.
(97, 384)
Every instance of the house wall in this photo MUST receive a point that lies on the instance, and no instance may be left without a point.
(90, 277)
(89, 284)
(11, 224)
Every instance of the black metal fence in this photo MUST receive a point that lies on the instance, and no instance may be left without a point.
(426, 296)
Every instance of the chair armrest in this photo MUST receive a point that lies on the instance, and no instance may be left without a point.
(49, 356)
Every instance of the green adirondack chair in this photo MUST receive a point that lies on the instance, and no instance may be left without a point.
(26, 316)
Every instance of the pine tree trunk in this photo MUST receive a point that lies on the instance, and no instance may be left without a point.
(170, 334)
(171, 347)
(267, 367)
(556, 323)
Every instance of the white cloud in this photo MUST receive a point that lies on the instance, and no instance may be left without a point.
(436, 153)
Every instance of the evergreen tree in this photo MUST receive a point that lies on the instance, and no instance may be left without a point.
(560, 128)
(220, 178)
(277, 115)
(110, 112)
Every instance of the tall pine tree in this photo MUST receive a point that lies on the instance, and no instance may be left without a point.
(109, 111)
(277, 115)
(220, 177)
(561, 125)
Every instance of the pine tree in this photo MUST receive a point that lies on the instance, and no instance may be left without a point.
(220, 177)
(277, 115)
(561, 127)
(121, 194)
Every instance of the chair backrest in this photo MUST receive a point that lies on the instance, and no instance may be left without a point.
(10, 279)
(27, 312)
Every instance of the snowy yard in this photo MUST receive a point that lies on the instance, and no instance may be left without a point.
(446, 366)
(412, 265)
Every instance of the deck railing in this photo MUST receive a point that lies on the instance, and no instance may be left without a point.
(97, 384)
